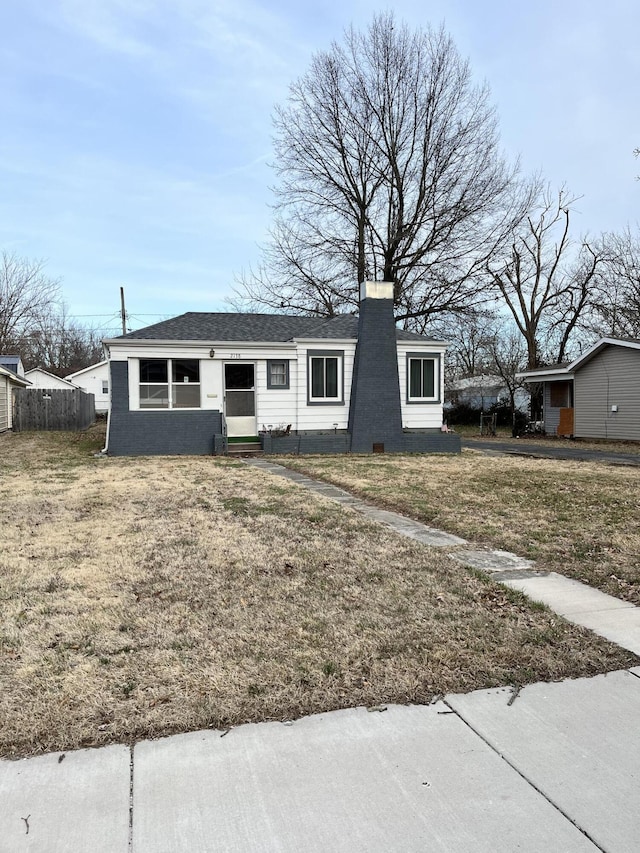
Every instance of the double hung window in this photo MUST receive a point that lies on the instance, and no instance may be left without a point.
(423, 378)
(325, 371)
(169, 383)
(277, 374)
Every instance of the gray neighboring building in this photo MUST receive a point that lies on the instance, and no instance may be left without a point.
(595, 396)
(301, 384)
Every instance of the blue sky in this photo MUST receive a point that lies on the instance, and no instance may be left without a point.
(136, 134)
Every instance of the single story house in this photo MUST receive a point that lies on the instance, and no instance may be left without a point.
(94, 380)
(41, 378)
(9, 382)
(300, 384)
(595, 396)
(483, 392)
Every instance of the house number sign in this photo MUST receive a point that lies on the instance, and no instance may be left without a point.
(235, 355)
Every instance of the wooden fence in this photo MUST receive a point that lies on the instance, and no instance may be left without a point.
(40, 409)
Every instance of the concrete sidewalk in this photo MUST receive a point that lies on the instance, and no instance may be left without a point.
(552, 768)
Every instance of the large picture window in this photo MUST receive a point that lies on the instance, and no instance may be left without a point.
(169, 383)
(325, 370)
(423, 378)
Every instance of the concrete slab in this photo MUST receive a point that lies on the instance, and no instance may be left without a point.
(76, 803)
(410, 528)
(493, 561)
(576, 742)
(410, 778)
(616, 620)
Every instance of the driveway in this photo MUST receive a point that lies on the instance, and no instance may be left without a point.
(547, 450)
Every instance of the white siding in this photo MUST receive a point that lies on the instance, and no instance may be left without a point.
(321, 417)
(277, 406)
(5, 404)
(419, 415)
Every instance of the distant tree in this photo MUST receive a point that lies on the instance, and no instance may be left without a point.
(27, 295)
(546, 282)
(617, 297)
(389, 166)
(61, 346)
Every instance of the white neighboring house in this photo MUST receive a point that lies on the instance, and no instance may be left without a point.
(484, 391)
(9, 381)
(94, 380)
(40, 378)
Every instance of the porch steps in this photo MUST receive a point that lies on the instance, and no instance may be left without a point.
(244, 448)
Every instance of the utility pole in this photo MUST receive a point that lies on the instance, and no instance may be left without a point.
(123, 313)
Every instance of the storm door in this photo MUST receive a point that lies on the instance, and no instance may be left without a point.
(240, 399)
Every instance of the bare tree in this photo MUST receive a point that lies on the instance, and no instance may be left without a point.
(617, 298)
(545, 281)
(60, 345)
(26, 295)
(389, 166)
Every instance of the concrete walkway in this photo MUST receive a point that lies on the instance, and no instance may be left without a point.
(616, 620)
(551, 767)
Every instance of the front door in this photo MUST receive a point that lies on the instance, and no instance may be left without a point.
(240, 399)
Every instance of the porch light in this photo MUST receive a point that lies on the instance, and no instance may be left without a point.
(212, 353)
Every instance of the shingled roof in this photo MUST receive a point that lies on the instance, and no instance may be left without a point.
(210, 327)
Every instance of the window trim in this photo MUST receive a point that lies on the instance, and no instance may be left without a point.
(171, 407)
(286, 385)
(423, 356)
(338, 354)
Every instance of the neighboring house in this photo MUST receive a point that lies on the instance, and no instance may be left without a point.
(482, 392)
(94, 380)
(13, 363)
(40, 378)
(595, 396)
(335, 384)
(9, 382)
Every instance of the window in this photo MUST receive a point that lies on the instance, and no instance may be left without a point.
(325, 377)
(105, 386)
(423, 378)
(157, 392)
(277, 374)
(560, 394)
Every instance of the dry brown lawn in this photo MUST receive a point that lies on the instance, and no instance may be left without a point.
(581, 519)
(141, 597)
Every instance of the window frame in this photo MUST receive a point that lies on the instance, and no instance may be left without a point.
(270, 384)
(169, 362)
(422, 357)
(338, 400)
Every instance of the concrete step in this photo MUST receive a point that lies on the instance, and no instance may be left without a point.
(244, 448)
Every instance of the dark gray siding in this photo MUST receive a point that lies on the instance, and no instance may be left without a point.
(167, 433)
(610, 378)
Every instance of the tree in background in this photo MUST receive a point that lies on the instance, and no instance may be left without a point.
(27, 295)
(617, 297)
(34, 322)
(544, 280)
(389, 165)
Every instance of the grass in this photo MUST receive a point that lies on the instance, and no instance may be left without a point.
(142, 597)
(581, 519)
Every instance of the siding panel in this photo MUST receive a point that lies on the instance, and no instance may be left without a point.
(610, 378)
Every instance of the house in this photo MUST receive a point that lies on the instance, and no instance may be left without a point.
(94, 380)
(41, 378)
(595, 396)
(9, 382)
(483, 392)
(13, 363)
(337, 384)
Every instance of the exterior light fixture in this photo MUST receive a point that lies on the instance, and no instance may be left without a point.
(212, 352)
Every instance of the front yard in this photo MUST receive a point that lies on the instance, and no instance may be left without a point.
(141, 597)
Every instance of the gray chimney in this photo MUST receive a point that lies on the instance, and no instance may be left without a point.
(375, 417)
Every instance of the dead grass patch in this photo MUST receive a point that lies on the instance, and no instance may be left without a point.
(141, 597)
(581, 519)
